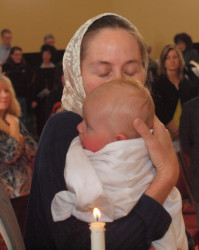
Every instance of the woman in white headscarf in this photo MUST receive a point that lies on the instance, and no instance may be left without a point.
(106, 47)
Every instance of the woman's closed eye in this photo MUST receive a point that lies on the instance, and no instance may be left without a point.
(131, 69)
(101, 69)
(130, 73)
(104, 74)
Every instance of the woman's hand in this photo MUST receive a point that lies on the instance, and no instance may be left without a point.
(14, 129)
(163, 157)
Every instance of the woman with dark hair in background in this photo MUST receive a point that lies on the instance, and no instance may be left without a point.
(47, 53)
(43, 82)
(171, 89)
(20, 74)
(185, 45)
(191, 58)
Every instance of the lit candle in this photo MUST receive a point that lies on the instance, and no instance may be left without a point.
(97, 232)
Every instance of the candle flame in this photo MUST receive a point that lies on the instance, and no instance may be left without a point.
(96, 213)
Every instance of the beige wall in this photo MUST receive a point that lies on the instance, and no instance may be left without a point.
(157, 20)
(30, 20)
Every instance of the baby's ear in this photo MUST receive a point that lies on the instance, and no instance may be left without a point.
(120, 137)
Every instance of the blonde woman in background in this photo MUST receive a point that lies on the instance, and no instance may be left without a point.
(171, 89)
(17, 147)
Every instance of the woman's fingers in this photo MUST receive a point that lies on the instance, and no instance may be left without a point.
(162, 156)
(158, 143)
(150, 139)
(142, 129)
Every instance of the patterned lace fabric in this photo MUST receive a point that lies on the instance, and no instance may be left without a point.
(16, 163)
(74, 94)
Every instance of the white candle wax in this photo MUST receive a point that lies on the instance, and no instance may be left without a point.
(97, 235)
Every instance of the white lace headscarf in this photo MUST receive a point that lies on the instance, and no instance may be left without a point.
(73, 93)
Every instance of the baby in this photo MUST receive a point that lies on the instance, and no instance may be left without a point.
(108, 165)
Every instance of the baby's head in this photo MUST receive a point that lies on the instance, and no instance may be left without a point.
(109, 112)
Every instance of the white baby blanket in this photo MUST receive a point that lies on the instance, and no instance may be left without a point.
(113, 179)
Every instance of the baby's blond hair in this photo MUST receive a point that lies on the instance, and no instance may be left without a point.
(119, 102)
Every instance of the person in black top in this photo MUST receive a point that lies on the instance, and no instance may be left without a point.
(185, 45)
(55, 95)
(42, 85)
(171, 89)
(20, 74)
(189, 136)
(97, 54)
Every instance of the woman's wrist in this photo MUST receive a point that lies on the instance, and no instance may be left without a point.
(161, 186)
(167, 174)
(163, 158)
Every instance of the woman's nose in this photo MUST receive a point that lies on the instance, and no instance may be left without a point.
(118, 74)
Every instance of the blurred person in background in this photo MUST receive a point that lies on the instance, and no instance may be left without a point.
(20, 74)
(185, 45)
(54, 97)
(49, 39)
(17, 150)
(47, 54)
(189, 137)
(171, 89)
(42, 85)
(6, 37)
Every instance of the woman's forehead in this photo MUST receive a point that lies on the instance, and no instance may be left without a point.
(4, 84)
(172, 52)
(108, 43)
(111, 33)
